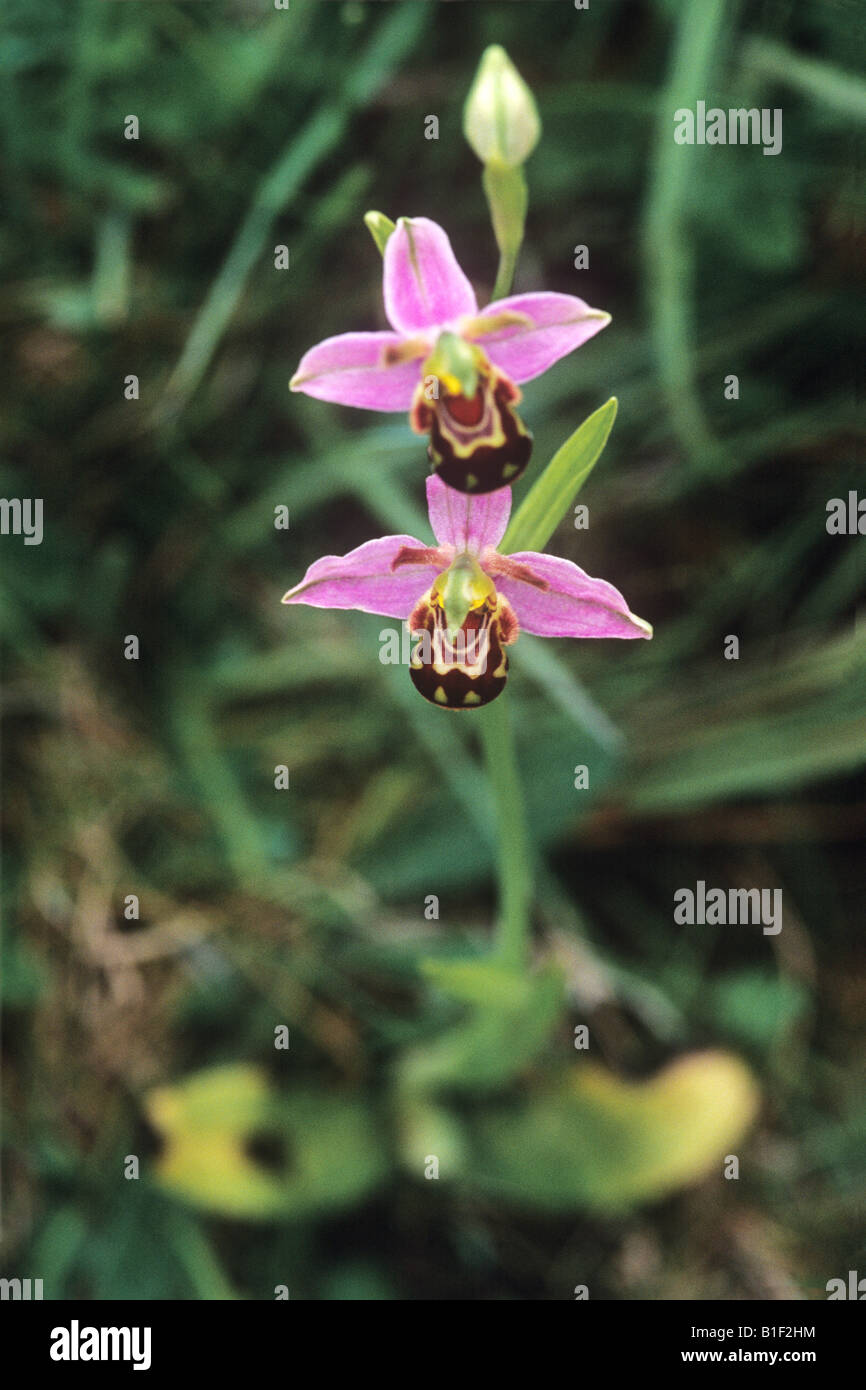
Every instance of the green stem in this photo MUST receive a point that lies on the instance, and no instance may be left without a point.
(514, 851)
(507, 198)
(506, 193)
(504, 275)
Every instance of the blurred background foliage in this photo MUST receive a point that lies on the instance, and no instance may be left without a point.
(305, 908)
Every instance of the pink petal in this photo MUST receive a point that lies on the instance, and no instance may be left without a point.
(573, 605)
(424, 286)
(349, 369)
(364, 579)
(467, 523)
(559, 324)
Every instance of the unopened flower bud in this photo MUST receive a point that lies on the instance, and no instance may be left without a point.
(500, 119)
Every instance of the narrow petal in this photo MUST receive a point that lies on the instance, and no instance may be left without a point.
(464, 521)
(424, 286)
(573, 605)
(556, 325)
(364, 579)
(351, 370)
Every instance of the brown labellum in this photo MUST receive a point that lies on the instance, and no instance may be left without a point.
(476, 445)
(466, 670)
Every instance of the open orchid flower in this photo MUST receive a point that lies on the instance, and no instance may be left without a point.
(464, 601)
(455, 368)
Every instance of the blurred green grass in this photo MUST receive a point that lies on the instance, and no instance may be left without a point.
(306, 908)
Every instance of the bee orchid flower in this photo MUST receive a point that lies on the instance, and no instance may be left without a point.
(464, 601)
(456, 369)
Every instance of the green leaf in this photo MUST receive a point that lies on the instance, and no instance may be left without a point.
(840, 91)
(551, 496)
(24, 977)
(483, 982)
(757, 1008)
(56, 1248)
(512, 1018)
(197, 1258)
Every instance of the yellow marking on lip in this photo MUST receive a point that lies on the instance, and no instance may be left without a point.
(479, 326)
(406, 351)
(439, 696)
(472, 698)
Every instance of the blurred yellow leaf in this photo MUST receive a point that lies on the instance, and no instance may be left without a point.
(325, 1152)
(593, 1140)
